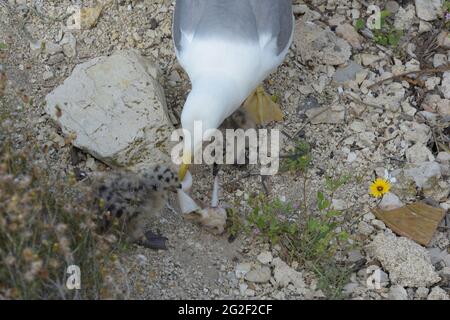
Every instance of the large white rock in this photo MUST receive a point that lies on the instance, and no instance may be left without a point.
(116, 108)
(408, 263)
(319, 45)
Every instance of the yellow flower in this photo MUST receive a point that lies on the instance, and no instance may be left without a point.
(379, 187)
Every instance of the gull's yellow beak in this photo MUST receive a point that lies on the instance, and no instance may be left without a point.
(184, 166)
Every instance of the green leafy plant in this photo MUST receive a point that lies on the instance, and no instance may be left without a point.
(299, 159)
(360, 24)
(446, 6)
(311, 237)
(270, 218)
(3, 46)
(387, 34)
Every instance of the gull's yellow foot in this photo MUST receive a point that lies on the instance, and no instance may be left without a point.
(261, 108)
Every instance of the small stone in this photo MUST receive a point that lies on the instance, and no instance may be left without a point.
(347, 73)
(392, 6)
(350, 288)
(243, 288)
(444, 273)
(431, 102)
(242, 269)
(378, 224)
(404, 19)
(250, 293)
(349, 33)
(365, 229)
(390, 202)
(69, 43)
(358, 126)
(445, 86)
(432, 82)
(142, 259)
(437, 190)
(436, 255)
(443, 157)
(446, 260)
(366, 139)
(351, 157)
(397, 292)
(47, 75)
(354, 256)
(425, 26)
(443, 40)
(265, 257)
(89, 16)
(52, 48)
(36, 47)
(419, 153)
(91, 164)
(439, 60)
(368, 217)
(174, 76)
(368, 59)
(310, 102)
(428, 10)
(416, 132)
(422, 293)
(259, 275)
(443, 107)
(437, 293)
(285, 275)
(424, 173)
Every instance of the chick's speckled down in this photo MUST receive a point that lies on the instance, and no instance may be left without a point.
(132, 197)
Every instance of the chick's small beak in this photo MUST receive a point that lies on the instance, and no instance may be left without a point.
(184, 166)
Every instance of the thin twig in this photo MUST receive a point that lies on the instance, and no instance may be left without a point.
(417, 72)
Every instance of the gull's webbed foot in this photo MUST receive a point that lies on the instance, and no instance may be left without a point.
(261, 108)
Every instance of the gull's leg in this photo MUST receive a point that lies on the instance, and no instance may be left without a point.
(215, 191)
(261, 108)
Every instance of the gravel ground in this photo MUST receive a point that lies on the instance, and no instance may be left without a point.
(350, 127)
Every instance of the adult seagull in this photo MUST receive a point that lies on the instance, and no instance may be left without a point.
(227, 48)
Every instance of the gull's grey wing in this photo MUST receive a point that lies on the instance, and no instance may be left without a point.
(245, 20)
(187, 16)
(275, 17)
